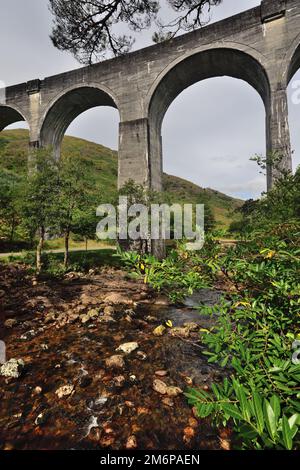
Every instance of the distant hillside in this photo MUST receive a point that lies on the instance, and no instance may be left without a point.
(103, 163)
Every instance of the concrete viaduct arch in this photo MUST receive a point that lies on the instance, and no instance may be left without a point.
(260, 46)
(66, 107)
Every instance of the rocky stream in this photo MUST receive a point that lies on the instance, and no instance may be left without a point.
(90, 365)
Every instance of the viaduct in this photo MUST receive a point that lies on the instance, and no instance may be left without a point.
(260, 46)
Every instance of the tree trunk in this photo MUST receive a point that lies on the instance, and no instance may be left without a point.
(39, 250)
(12, 232)
(66, 258)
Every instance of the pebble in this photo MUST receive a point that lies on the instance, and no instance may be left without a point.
(159, 330)
(131, 443)
(127, 348)
(168, 401)
(37, 391)
(142, 356)
(109, 310)
(10, 323)
(160, 387)
(173, 391)
(161, 373)
(119, 381)
(115, 362)
(12, 368)
(65, 391)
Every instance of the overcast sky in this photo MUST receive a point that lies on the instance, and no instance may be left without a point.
(209, 132)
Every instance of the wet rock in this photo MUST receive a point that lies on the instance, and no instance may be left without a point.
(8, 446)
(151, 319)
(12, 368)
(117, 299)
(133, 379)
(173, 391)
(193, 423)
(160, 387)
(180, 332)
(93, 313)
(188, 434)
(97, 404)
(109, 311)
(131, 443)
(29, 335)
(41, 418)
(130, 404)
(107, 441)
(143, 411)
(119, 381)
(141, 355)
(161, 301)
(106, 319)
(115, 362)
(168, 401)
(50, 317)
(73, 317)
(161, 373)
(188, 380)
(127, 348)
(65, 391)
(37, 391)
(95, 434)
(160, 330)
(10, 323)
(191, 326)
(88, 299)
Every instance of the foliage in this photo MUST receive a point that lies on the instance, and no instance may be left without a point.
(76, 203)
(256, 327)
(100, 166)
(88, 29)
(39, 199)
(11, 186)
(173, 276)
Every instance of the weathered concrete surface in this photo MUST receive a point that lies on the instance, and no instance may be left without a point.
(260, 46)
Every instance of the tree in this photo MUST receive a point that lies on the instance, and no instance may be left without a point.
(76, 200)
(87, 28)
(10, 197)
(40, 199)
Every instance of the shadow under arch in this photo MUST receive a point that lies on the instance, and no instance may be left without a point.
(10, 115)
(292, 62)
(67, 107)
(202, 65)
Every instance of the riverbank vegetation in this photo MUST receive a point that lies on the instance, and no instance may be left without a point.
(256, 338)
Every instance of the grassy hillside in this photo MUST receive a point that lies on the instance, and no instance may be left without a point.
(103, 164)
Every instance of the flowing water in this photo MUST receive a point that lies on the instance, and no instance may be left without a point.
(104, 410)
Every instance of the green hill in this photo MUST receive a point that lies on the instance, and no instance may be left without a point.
(103, 163)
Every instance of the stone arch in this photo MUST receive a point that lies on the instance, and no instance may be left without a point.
(291, 63)
(68, 106)
(207, 63)
(9, 114)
